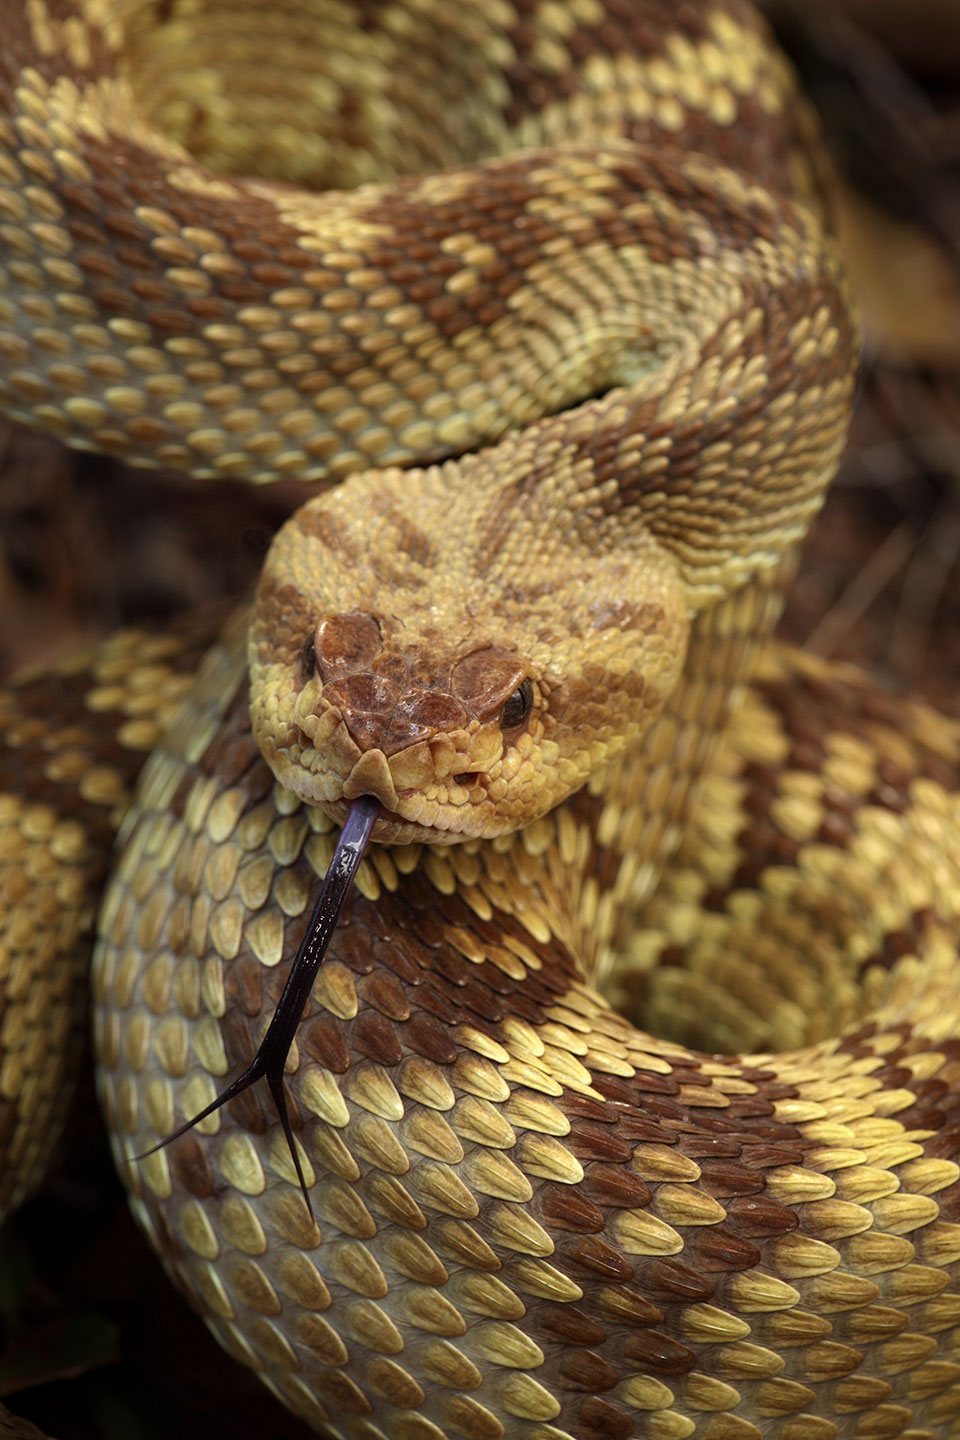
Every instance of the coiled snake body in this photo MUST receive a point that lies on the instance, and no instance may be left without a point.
(531, 1219)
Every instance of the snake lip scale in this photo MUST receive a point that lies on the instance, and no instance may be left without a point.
(625, 1102)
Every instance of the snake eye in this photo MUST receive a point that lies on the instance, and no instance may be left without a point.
(308, 660)
(517, 708)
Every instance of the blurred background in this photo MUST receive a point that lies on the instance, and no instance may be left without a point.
(94, 1342)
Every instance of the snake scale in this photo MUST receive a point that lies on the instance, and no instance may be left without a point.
(586, 397)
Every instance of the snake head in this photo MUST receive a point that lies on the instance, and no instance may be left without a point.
(466, 664)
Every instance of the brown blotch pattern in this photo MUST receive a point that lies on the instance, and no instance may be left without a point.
(531, 1219)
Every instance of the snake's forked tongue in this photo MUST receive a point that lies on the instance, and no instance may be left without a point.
(271, 1057)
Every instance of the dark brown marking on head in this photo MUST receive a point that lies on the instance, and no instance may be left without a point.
(613, 614)
(345, 643)
(419, 715)
(411, 542)
(485, 679)
(287, 619)
(323, 524)
(365, 702)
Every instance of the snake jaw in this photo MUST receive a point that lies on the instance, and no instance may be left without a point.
(425, 797)
(434, 790)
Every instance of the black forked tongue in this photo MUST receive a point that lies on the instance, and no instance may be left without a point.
(271, 1057)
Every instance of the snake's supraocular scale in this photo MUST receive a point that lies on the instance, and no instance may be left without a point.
(623, 358)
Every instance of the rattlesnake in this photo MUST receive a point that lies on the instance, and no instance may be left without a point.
(632, 333)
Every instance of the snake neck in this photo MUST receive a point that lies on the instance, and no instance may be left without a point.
(559, 894)
(620, 831)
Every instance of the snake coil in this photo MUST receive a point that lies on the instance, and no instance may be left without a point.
(587, 396)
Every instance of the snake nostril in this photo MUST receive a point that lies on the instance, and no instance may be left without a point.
(466, 777)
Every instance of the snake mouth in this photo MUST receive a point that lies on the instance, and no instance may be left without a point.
(392, 828)
(417, 806)
(334, 794)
